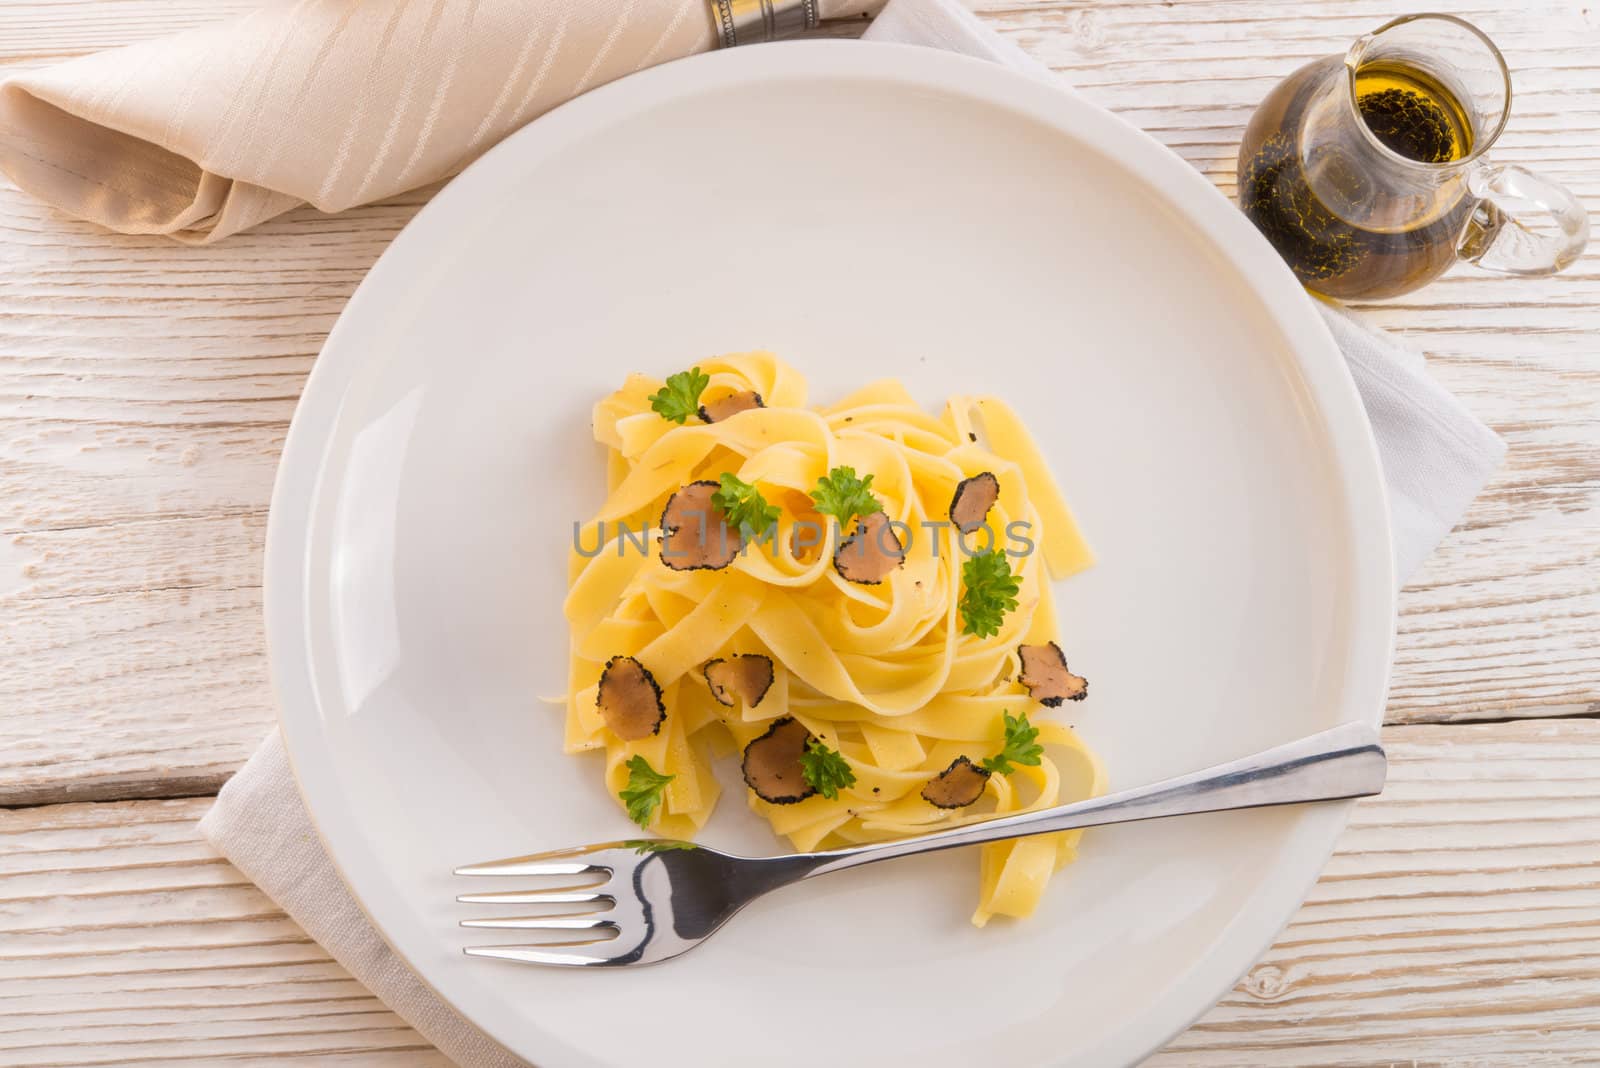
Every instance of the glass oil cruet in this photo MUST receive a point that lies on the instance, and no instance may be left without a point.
(1368, 171)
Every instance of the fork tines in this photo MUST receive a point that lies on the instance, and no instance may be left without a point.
(582, 928)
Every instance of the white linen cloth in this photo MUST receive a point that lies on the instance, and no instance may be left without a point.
(1436, 457)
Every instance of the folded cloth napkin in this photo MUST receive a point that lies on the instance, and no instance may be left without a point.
(1435, 455)
(209, 132)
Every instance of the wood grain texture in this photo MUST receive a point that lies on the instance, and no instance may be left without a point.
(1459, 924)
(39, 31)
(127, 940)
(145, 390)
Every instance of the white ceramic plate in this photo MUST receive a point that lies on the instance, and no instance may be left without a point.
(865, 211)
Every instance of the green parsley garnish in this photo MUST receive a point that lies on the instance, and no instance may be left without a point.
(842, 495)
(825, 769)
(680, 397)
(742, 505)
(991, 592)
(643, 792)
(1019, 747)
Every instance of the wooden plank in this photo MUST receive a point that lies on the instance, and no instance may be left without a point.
(191, 697)
(145, 390)
(37, 31)
(128, 941)
(1458, 923)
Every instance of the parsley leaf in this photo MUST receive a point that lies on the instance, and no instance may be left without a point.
(991, 592)
(842, 495)
(680, 397)
(742, 505)
(1019, 747)
(643, 792)
(826, 769)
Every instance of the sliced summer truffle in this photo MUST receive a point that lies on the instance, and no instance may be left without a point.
(957, 786)
(1045, 674)
(629, 699)
(734, 403)
(972, 501)
(742, 677)
(871, 553)
(693, 534)
(772, 763)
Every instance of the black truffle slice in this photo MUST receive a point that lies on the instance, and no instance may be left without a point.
(629, 699)
(743, 677)
(871, 553)
(957, 786)
(1045, 674)
(693, 534)
(972, 501)
(734, 403)
(772, 763)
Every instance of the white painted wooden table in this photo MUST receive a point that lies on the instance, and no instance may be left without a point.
(144, 393)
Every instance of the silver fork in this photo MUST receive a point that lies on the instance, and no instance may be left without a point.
(650, 900)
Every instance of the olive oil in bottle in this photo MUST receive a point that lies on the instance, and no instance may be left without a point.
(1322, 201)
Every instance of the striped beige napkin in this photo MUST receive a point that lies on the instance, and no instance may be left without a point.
(333, 103)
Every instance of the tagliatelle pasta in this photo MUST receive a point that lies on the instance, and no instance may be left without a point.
(885, 674)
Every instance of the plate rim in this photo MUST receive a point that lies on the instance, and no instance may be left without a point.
(1355, 466)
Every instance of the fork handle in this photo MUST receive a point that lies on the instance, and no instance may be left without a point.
(1344, 762)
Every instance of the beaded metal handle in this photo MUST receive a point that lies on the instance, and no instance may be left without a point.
(741, 22)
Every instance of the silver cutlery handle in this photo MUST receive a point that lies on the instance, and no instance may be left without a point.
(741, 22)
(1344, 762)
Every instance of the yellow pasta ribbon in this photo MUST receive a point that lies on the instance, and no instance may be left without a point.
(884, 673)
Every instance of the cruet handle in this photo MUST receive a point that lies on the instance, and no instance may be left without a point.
(1524, 224)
